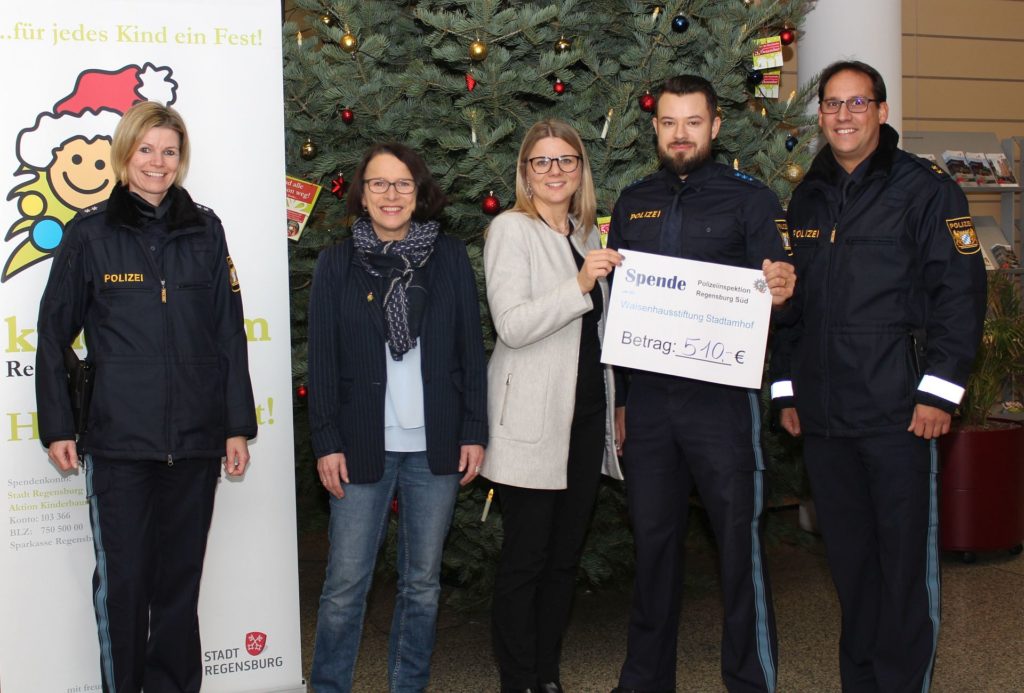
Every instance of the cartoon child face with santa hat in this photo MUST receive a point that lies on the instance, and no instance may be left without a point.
(65, 156)
(80, 173)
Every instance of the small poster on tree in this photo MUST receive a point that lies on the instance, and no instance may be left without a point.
(301, 196)
(767, 53)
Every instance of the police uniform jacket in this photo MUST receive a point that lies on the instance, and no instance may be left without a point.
(720, 215)
(890, 295)
(164, 330)
(348, 370)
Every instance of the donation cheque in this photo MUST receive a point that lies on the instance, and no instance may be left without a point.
(687, 318)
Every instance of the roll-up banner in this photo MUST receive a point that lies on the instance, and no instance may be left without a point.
(70, 70)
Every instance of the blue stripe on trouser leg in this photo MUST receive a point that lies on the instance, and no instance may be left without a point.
(100, 592)
(764, 646)
(932, 581)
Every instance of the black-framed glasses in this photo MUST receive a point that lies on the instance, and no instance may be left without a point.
(855, 104)
(403, 186)
(566, 163)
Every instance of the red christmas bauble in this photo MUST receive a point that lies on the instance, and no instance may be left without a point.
(470, 81)
(338, 186)
(347, 116)
(559, 87)
(301, 391)
(647, 102)
(491, 204)
(787, 36)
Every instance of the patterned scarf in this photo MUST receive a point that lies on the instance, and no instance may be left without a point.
(399, 264)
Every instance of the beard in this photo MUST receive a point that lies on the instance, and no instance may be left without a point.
(683, 163)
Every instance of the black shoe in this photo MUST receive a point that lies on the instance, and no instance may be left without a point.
(550, 687)
(506, 689)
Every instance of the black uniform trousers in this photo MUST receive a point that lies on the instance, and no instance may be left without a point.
(544, 532)
(876, 501)
(679, 434)
(150, 521)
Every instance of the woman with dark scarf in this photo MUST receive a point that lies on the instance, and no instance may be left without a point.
(397, 406)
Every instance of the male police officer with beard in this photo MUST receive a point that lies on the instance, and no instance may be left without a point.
(682, 432)
(889, 313)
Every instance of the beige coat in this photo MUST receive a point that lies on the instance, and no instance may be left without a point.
(537, 308)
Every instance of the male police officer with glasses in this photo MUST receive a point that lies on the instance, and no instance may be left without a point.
(888, 316)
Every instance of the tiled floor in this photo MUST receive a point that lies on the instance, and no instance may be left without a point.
(981, 644)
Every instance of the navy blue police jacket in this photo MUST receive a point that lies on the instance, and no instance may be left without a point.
(728, 217)
(348, 367)
(165, 332)
(890, 295)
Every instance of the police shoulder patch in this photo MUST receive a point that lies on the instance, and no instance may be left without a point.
(204, 208)
(233, 276)
(965, 238)
(783, 228)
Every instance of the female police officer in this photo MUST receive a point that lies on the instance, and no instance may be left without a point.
(148, 275)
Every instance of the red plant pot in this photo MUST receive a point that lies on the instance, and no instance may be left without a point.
(982, 490)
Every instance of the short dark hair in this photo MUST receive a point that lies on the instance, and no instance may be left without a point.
(877, 83)
(688, 84)
(430, 199)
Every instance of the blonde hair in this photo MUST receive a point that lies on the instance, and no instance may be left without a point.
(137, 121)
(584, 200)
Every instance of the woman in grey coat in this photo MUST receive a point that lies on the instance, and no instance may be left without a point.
(550, 400)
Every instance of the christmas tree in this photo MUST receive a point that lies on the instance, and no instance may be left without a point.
(461, 82)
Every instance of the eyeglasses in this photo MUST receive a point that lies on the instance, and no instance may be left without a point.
(403, 186)
(566, 164)
(856, 104)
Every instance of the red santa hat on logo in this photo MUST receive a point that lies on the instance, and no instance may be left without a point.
(93, 109)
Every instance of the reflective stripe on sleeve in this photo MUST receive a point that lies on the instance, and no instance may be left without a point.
(935, 386)
(782, 388)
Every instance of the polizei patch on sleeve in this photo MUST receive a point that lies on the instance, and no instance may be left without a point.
(964, 236)
(783, 228)
(233, 276)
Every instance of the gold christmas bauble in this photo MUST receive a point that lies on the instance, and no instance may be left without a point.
(349, 42)
(793, 172)
(562, 45)
(327, 19)
(308, 150)
(477, 50)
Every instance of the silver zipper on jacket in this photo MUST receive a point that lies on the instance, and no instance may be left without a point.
(504, 401)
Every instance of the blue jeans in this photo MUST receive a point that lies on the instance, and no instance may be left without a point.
(358, 527)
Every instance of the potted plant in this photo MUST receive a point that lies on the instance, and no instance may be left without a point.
(982, 477)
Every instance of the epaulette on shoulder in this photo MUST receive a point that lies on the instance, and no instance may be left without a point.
(930, 165)
(641, 181)
(746, 178)
(90, 211)
(204, 208)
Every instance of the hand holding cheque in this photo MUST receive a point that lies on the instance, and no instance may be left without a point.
(693, 319)
(598, 264)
